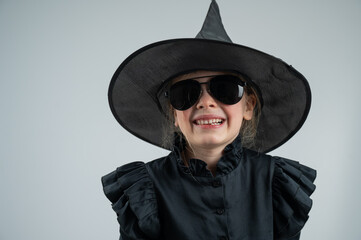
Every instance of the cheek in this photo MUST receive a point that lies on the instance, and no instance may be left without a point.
(235, 112)
(181, 118)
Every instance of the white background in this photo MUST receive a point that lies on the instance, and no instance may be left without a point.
(58, 136)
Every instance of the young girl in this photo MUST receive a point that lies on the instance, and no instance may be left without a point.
(219, 107)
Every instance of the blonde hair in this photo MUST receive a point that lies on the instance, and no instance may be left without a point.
(248, 129)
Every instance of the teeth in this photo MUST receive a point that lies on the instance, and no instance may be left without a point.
(216, 121)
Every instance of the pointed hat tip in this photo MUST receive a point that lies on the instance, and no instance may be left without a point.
(213, 27)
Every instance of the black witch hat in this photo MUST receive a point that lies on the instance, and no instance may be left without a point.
(134, 89)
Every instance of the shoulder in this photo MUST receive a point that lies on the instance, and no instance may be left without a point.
(292, 187)
(278, 165)
(256, 158)
(158, 164)
(163, 168)
(257, 163)
(131, 192)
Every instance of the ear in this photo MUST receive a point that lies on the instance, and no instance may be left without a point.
(250, 104)
(175, 119)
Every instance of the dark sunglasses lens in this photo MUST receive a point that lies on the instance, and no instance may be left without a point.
(227, 89)
(184, 94)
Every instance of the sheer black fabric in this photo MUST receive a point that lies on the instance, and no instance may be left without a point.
(252, 196)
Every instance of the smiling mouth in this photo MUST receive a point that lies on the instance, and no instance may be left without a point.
(212, 122)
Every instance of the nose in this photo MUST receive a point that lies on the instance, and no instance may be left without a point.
(205, 100)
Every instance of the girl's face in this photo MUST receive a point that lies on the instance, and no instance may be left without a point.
(210, 123)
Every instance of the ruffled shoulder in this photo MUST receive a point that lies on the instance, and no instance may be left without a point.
(292, 187)
(133, 198)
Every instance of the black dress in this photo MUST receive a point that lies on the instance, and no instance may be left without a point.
(252, 196)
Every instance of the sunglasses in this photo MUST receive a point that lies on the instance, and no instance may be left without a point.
(227, 89)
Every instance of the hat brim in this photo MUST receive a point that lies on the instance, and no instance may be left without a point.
(133, 89)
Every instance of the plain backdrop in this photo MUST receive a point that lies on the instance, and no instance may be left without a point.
(58, 136)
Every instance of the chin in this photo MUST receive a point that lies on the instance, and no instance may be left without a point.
(213, 141)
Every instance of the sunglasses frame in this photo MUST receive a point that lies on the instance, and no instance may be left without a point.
(241, 83)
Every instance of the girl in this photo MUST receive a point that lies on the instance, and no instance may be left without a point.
(219, 107)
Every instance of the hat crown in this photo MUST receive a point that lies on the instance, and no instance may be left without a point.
(136, 95)
(213, 27)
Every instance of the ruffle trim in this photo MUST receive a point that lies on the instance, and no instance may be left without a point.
(228, 162)
(292, 188)
(133, 198)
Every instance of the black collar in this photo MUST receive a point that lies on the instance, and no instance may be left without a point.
(232, 156)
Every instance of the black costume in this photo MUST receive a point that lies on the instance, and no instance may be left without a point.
(253, 196)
